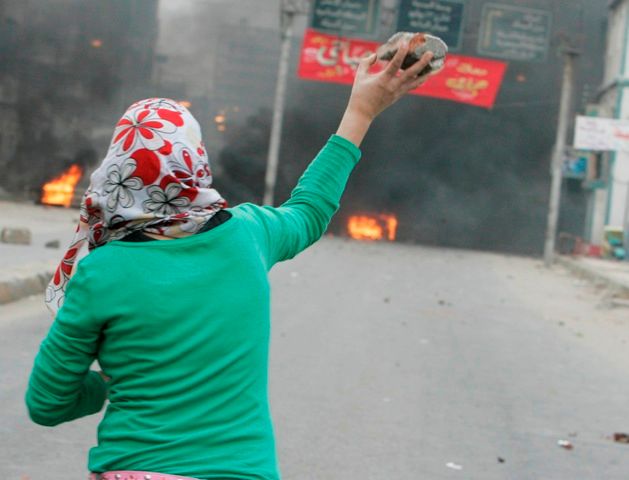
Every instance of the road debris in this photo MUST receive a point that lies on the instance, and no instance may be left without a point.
(454, 466)
(621, 437)
(53, 244)
(565, 444)
(501, 460)
(619, 302)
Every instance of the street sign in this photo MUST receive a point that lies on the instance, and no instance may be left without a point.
(514, 33)
(443, 18)
(346, 17)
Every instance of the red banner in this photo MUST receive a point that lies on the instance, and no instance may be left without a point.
(471, 80)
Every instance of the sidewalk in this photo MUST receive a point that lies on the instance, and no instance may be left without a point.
(26, 269)
(610, 273)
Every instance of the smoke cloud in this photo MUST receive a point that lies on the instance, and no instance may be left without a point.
(454, 175)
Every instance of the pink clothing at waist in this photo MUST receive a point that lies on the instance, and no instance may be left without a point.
(135, 475)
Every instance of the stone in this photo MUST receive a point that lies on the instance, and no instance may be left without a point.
(52, 244)
(19, 236)
(419, 43)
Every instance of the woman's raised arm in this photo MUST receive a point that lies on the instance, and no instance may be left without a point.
(372, 93)
(304, 217)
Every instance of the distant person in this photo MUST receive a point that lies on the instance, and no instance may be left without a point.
(173, 297)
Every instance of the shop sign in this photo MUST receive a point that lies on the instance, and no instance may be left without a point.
(601, 134)
(471, 80)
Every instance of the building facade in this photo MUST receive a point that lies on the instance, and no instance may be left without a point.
(609, 206)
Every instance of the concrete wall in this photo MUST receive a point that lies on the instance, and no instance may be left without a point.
(616, 71)
(615, 41)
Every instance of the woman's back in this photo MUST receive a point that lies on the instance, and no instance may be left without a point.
(181, 327)
(185, 343)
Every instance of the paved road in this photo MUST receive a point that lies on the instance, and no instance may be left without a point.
(393, 361)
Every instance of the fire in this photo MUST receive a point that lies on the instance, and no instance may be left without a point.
(60, 190)
(372, 227)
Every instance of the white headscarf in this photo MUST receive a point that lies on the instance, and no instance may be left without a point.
(155, 178)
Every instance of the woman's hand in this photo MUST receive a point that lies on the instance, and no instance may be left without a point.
(372, 93)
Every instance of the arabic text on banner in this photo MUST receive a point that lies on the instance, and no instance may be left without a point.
(475, 81)
(601, 134)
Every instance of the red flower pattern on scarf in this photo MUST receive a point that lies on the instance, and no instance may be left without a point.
(146, 127)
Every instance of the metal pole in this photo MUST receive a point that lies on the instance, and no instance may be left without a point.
(625, 230)
(558, 156)
(278, 109)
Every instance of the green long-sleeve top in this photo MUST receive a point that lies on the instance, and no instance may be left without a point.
(182, 328)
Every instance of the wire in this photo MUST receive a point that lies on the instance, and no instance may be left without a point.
(523, 104)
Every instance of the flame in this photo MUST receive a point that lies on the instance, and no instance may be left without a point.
(372, 227)
(60, 190)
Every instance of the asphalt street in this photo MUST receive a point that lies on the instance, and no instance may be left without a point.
(393, 361)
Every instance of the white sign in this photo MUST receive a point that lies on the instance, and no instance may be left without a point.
(602, 134)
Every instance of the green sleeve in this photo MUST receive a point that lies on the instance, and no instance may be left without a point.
(304, 217)
(61, 387)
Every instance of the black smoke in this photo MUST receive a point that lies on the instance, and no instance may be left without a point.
(459, 175)
(455, 175)
(68, 69)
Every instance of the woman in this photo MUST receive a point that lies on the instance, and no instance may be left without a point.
(174, 302)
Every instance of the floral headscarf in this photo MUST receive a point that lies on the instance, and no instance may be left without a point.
(155, 178)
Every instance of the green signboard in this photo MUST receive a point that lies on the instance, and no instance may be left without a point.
(346, 17)
(443, 18)
(514, 33)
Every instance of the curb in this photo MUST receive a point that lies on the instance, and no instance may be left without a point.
(591, 274)
(24, 286)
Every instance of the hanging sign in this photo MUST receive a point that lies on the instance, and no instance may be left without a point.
(345, 17)
(514, 33)
(601, 134)
(471, 80)
(443, 18)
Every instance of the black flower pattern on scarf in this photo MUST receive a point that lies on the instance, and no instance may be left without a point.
(165, 201)
(119, 184)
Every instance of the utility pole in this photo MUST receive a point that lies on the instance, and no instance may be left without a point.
(559, 150)
(625, 229)
(288, 10)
